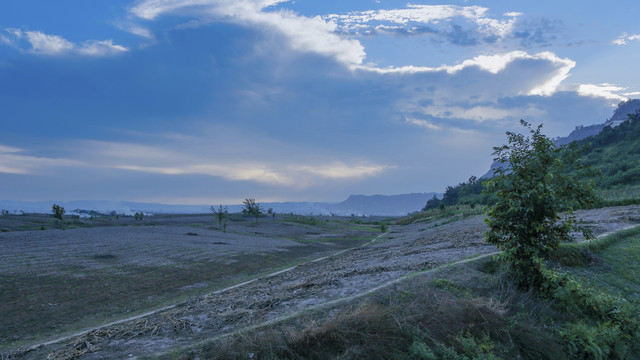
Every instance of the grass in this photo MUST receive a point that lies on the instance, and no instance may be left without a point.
(450, 316)
(468, 311)
(459, 211)
(36, 306)
(618, 258)
(620, 193)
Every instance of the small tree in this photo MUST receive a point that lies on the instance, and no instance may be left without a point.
(540, 182)
(58, 211)
(139, 215)
(252, 208)
(432, 203)
(220, 213)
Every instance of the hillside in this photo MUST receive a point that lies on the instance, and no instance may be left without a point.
(614, 151)
(631, 106)
(620, 115)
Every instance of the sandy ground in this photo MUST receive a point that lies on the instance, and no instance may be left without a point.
(404, 250)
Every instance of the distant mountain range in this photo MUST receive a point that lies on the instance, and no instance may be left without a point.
(374, 205)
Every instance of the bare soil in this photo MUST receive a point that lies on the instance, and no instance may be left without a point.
(309, 285)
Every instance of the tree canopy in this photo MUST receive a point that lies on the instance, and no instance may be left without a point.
(252, 208)
(536, 194)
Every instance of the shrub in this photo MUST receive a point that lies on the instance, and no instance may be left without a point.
(58, 211)
(538, 184)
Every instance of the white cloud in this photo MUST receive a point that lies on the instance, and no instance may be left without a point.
(562, 69)
(432, 15)
(340, 170)
(135, 29)
(45, 44)
(9, 149)
(13, 161)
(304, 33)
(479, 113)
(295, 175)
(5, 40)
(545, 85)
(422, 123)
(607, 91)
(189, 155)
(151, 9)
(100, 48)
(625, 38)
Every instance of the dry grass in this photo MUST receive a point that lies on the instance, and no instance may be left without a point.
(48, 294)
(420, 320)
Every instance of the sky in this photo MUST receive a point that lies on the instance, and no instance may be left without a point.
(215, 101)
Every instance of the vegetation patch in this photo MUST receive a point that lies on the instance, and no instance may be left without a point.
(455, 213)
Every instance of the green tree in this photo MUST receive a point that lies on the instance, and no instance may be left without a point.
(432, 203)
(58, 211)
(540, 182)
(220, 213)
(252, 208)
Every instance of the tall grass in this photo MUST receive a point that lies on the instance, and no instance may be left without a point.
(437, 214)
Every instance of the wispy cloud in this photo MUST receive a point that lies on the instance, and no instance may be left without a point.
(184, 159)
(463, 25)
(189, 155)
(625, 38)
(478, 113)
(135, 29)
(545, 84)
(605, 90)
(16, 161)
(422, 123)
(40, 43)
(295, 175)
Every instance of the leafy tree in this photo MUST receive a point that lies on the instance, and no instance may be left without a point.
(220, 213)
(252, 208)
(540, 182)
(139, 215)
(58, 211)
(432, 203)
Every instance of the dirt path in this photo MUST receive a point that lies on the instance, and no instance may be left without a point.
(405, 250)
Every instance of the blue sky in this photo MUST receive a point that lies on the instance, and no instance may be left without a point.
(214, 101)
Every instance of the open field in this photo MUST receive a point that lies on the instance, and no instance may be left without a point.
(187, 266)
(54, 282)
